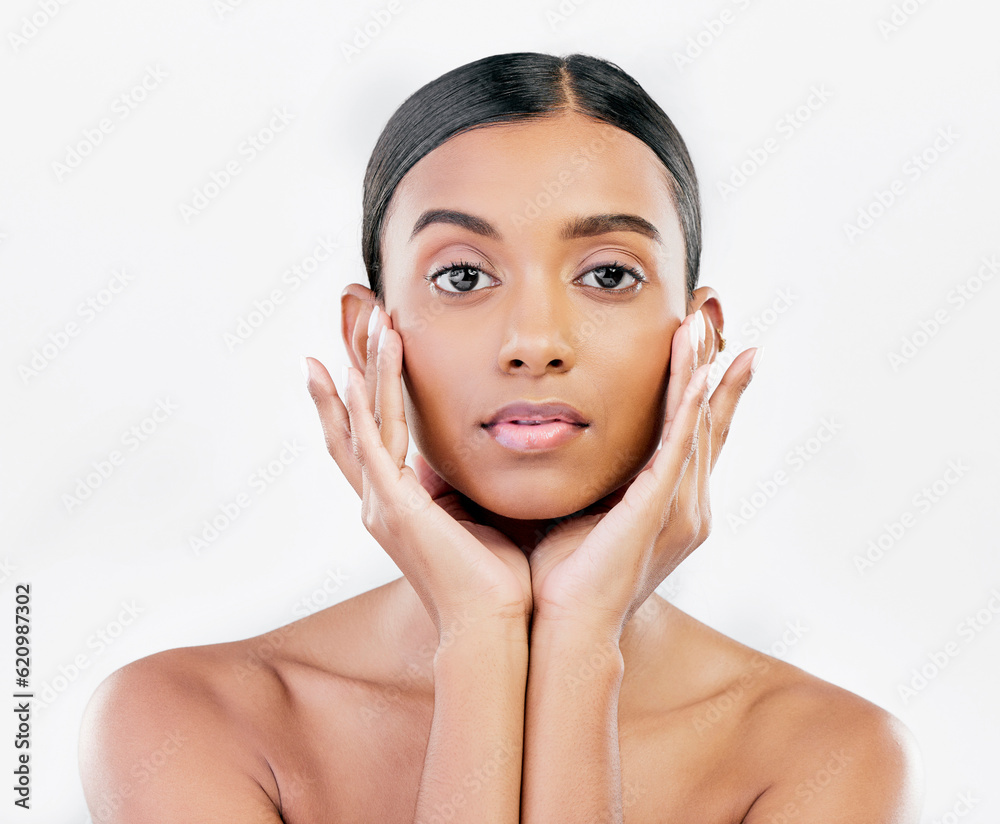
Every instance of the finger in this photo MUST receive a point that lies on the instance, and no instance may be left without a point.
(727, 395)
(690, 492)
(389, 394)
(682, 439)
(334, 418)
(690, 496)
(706, 461)
(377, 467)
(375, 321)
(683, 361)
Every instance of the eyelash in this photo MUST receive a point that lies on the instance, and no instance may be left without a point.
(464, 264)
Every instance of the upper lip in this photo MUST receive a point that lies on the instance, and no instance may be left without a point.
(528, 411)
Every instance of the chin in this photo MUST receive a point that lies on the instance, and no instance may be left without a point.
(533, 500)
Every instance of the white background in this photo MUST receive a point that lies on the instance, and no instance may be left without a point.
(854, 298)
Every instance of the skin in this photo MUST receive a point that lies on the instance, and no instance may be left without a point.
(523, 659)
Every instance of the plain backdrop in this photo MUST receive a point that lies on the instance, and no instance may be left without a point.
(847, 157)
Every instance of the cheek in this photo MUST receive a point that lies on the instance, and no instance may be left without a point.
(440, 396)
(635, 401)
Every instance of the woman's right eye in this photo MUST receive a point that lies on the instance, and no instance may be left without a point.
(457, 278)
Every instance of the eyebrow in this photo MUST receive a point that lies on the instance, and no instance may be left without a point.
(572, 229)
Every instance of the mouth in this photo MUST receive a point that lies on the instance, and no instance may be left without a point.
(528, 427)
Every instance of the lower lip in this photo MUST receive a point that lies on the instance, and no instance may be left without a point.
(526, 437)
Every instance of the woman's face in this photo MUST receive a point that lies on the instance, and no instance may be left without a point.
(547, 217)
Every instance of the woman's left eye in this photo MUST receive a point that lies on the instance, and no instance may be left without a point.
(613, 274)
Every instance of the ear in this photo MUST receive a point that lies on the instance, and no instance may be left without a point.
(707, 299)
(357, 302)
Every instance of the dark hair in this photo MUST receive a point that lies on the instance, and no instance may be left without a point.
(503, 88)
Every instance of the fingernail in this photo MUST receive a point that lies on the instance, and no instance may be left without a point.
(372, 320)
(305, 368)
(381, 337)
(756, 360)
(345, 380)
(701, 327)
(693, 333)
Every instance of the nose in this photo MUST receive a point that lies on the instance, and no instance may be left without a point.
(537, 336)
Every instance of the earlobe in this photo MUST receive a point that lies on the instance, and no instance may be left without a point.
(357, 302)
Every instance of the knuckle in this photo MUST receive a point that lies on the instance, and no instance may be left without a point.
(704, 522)
(356, 448)
(690, 441)
(371, 515)
(688, 521)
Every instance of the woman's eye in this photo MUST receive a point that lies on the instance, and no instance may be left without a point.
(610, 278)
(457, 278)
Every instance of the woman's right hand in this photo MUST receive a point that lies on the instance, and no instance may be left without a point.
(457, 567)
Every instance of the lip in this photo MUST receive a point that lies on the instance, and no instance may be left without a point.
(539, 412)
(523, 426)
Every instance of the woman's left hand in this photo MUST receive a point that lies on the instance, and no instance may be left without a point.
(597, 568)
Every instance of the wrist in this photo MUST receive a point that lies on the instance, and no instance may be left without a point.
(575, 638)
(482, 638)
(569, 629)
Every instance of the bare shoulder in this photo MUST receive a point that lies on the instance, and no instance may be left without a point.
(160, 740)
(830, 754)
(222, 732)
(795, 747)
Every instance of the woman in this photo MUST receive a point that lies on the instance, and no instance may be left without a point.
(532, 237)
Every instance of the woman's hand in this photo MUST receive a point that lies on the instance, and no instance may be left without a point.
(597, 568)
(457, 566)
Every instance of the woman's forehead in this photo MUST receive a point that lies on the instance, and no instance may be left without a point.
(515, 173)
